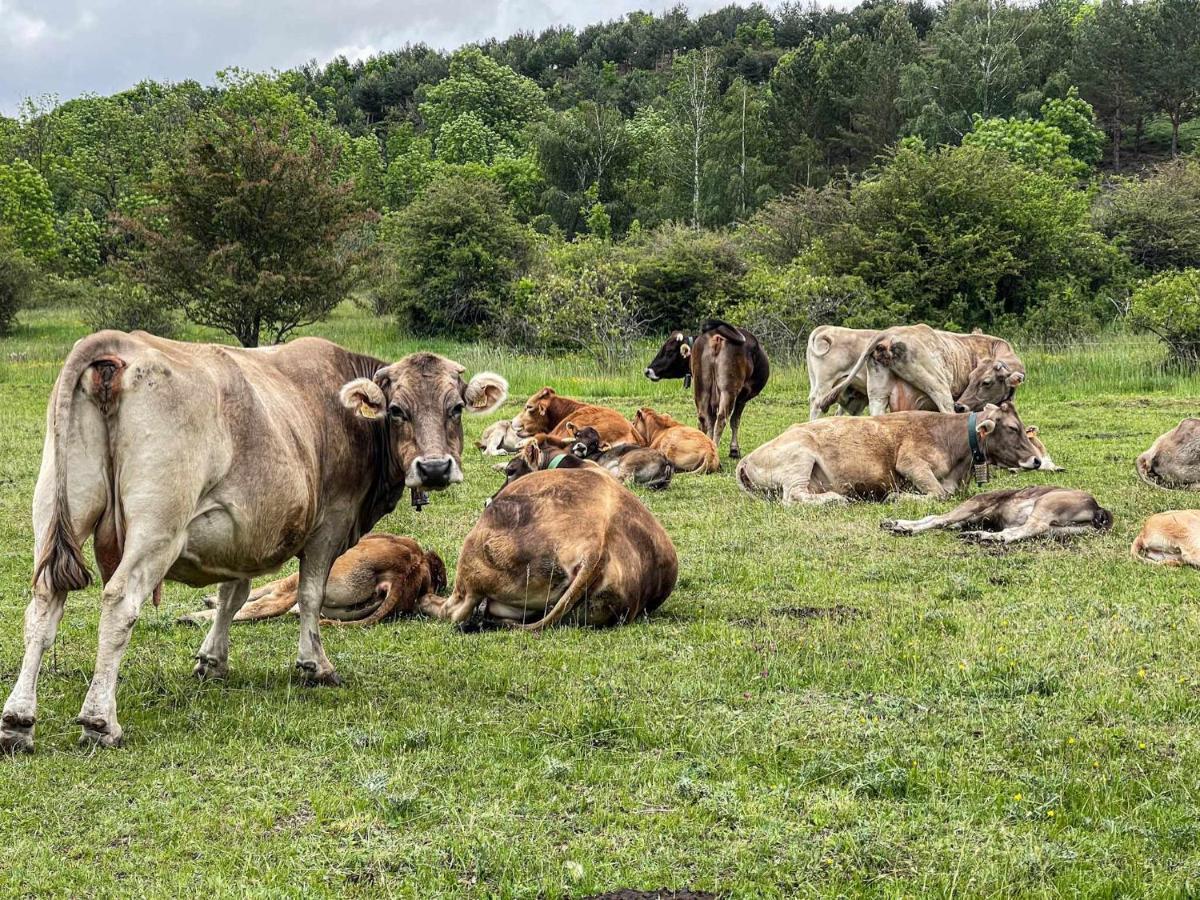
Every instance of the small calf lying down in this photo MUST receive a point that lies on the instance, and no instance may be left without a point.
(499, 438)
(539, 454)
(830, 460)
(688, 449)
(1014, 515)
(1173, 461)
(561, 547)
(630, 463)
(1170, 539)
(548, 413)
(381, 577)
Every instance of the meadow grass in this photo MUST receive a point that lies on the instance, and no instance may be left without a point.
(819, 709)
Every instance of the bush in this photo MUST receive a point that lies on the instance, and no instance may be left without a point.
(787, 226)
(16, 280)
(1156, 221)
(1168, 305)
(683, 274)
(128, 307)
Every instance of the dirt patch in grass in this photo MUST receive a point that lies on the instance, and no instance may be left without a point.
(838, 613)
(630, 894)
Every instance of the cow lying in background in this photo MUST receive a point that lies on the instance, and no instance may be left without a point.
(1015, 515)
(833, 459)
(917, 367)
(499, 438)
(379, 578)
(688, 449)
(548, 413)
(629, 463)
(561, 546)
(538, 454)
(728, 368)
(1047, 464)
(1169, 539)
(1173, 461)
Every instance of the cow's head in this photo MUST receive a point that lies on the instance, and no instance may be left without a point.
(534, 417)
(1003, 439)
(1173, 461)
(992, 381)
(586, 443)
(673, 360)
(527, 460)
(648, 423)
(419, 403)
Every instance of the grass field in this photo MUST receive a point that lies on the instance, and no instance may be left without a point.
(819, 709)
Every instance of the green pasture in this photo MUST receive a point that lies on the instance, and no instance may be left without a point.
(819, 709)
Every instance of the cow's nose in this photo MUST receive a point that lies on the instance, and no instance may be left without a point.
(1037, 462)
(650, 373)
(960, 408)
(434, 473)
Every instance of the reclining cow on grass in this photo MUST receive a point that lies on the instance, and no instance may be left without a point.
(1173, 461)
(214, 465)
(832, 460)
(1169, 539)
(548, 412)
(1015, 515)
(629, 463)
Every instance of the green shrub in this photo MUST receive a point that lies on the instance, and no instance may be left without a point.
(1156, 220)
(1033, 144)
(789, 225)
(682, 274)
(16, 280)
(126, 306)
(1168, 305)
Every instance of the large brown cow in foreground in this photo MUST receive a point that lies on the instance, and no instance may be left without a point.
(547, 412)
(1173, 461)
(1015, 514)
(207, 464)
(728, 368)
(834, 459)
(556, 545)
(917, 367)
(379, 578)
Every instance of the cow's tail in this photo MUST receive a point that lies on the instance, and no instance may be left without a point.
(570, 598)
(831, 396)
(724, 329)
(745, 482)
(61, 559)
(708, 464)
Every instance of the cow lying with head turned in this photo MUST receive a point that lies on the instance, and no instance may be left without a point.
(499, 438)
(834, 459)
(917, 367)
(1169, 539)
(256, 456)
(1173, 461)
(538, 454)
(629, 463)
(546, 412)
(687, 449)
(561, 546)
(1015, 515)
(728, 368)
(379, 578)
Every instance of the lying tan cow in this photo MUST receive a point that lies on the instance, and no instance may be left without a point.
(1170, 539)
(916, 367)
(1048, 464)
(831, 460)
(1173, 461)
(562, 546)
(548, 413)
(499, 438)
(1015, 515)
(379, 578)
(687, 449)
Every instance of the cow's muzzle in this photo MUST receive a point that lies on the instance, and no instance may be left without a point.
(579, 450)
(651, 374)
(432, 473)
(961, 408)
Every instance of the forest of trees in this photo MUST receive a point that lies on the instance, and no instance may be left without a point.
(977, 163)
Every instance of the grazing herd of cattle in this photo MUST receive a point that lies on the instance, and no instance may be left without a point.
(207, 465)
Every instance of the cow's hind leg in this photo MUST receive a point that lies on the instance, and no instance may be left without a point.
(735, 449)
(315, 563)
(212, 660)
(967, 513)
(799, 488)
(42, 616)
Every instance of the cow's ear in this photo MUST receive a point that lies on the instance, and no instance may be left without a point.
(571, 429)
(1016, 378)
(485, 392)
(530, 454)
(684, 350)
(605, 446)
(985, 426)
(364, 397)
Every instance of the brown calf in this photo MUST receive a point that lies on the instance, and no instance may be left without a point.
(1014, 515)
(688, 449)
(1170, 539)
(548, 413)
(630, 463)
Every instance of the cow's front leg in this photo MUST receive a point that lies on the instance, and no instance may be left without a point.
(920, 475)
(42, 616)
(314, 572)
(212, 661)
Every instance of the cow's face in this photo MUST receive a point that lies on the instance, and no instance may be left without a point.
(586, 443)
(534, 417)
(673, 360)
(419, 402)
(1003, 439)
(992, 381)
(1173, 461)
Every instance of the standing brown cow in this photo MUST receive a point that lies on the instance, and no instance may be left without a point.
(727, 367)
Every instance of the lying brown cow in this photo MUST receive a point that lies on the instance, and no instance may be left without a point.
(379, 578)
(561, 546)
(831, 460)
(1173, 461)
(916, 367)
(1016, 514)
(687, 449)
(548, 413)
(499, 438)
(1170, 539)
(728, 368)
(630, 463)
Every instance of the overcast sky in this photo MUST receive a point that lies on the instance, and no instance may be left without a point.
(71, 47)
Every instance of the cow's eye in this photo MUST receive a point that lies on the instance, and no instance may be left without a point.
(456, 411)
(989, 381)
(398, 412)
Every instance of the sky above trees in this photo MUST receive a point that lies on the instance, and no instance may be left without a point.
(72, 47)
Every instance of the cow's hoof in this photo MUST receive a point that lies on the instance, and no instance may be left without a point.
(312, 677)
(975, 537)
(16, 734)
(209, 667)
(735, 452)
(97, 732)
